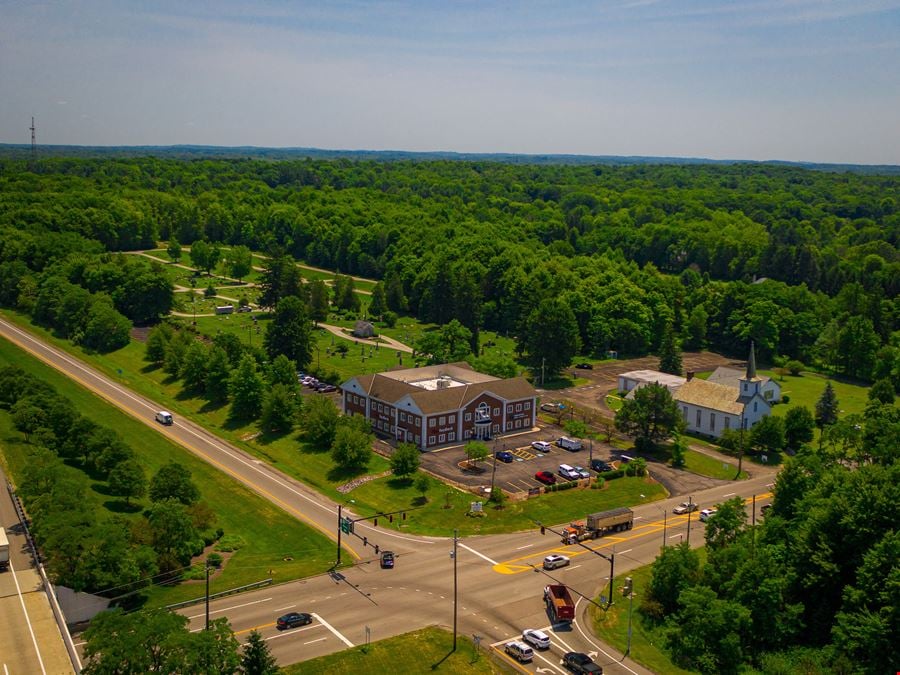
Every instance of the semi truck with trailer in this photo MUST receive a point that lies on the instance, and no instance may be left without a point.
(559, 603)
(4, 550)
(598, 524)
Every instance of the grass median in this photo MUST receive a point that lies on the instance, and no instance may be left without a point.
(422, 651)
(275, 544)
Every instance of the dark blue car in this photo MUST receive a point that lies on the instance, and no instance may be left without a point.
(504, 456)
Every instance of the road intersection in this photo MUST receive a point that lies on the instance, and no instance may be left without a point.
(500, 579)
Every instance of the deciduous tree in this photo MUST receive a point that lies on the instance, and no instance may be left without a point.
(650, 417)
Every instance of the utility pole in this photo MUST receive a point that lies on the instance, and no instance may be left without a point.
(455, 605)
(690, 512)
(664, 527)
(628, 584)
(207, 593)
(33, 145)
(542, 371)
(340, 528)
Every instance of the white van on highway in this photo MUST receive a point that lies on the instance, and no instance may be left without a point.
(164, 417)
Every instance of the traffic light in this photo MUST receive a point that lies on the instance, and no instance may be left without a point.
(376, 549)
(365, 541)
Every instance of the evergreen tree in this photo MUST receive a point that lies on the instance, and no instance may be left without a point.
(290, 332)
(157, 340)
(256, 658)
(826, 407)
(378, 303)
(319, 300)
(669, 352)
(394, 294)
(218, 373)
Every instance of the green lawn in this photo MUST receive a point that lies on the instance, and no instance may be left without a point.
(805, 389)
(270, 536)
(422, 651)
(646, 639)
(390, 494)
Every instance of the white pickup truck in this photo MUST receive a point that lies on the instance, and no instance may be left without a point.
(4, 550)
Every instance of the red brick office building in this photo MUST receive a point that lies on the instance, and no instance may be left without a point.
(441, 404)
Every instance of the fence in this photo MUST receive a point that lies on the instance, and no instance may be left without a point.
(221, 594)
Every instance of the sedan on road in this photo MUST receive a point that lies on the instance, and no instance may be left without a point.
(545, 477)
(293, 619)
(541, 446)
(555, 561)
(706, 513)
(387, 560)
(504, 456)
(684, 507)
(584, 366)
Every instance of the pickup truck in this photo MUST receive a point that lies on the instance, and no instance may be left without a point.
(559, 602)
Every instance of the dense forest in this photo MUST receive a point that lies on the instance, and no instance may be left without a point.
(803, 262)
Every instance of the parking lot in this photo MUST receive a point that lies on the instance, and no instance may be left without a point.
(518, 475)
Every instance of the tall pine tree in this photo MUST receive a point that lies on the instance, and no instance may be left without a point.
(256, 659)
(669, 352)
(826, 407)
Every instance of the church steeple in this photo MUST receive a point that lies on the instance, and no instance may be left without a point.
(751, 363)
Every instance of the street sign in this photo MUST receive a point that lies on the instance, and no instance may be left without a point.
(346, 525)
(475, 507)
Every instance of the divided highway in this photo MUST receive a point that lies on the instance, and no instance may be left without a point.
(500, 580)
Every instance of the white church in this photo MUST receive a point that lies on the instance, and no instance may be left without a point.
(709, 408)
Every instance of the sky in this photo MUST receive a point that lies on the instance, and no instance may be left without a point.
(802, 80)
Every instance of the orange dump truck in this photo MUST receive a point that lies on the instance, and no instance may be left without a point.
(559, 602)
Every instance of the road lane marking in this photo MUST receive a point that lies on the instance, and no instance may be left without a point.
(208, 436)
(596, 646)
(627, 550)
(285, 633)
(280, 609)
(480, 555)
(316, 640)
(27, 619)
(730, 494)
(525, 546)
(334, 630)
(226, 609)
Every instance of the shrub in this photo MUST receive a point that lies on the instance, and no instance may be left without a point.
(610, 475)
(794, 366)
(229, 543)
(214, 560)
(599, 483)
(785, 398)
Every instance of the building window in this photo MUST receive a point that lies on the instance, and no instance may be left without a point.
(431, 422)
(431, 440)
(509, 426)
(727, 422)
(496, 428)
(755, 404)
(451, 419)
(712, 421)
(442, 438)
(527, 405)
(496, 412)
(698, 419)
(467, 433)
(373, 405)
(442, 421)
(402, 416)
(468, 417)
(684, 411)
(518, 407)
(509, 408)
(451, 436)
(418, 438)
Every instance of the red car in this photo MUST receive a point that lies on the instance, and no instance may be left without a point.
(545, 477)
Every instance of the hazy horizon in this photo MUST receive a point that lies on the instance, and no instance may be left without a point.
(792, 80)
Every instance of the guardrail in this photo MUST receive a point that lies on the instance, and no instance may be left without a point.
(48, 587)
(221, 594)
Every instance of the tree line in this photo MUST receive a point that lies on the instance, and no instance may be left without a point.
(84, 548)
(813, 585)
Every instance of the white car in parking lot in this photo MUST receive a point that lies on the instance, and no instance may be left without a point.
(541, 446)
(582, 472)
(568, 472)
(536, 638)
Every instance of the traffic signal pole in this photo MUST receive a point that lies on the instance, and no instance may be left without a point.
(340, 527)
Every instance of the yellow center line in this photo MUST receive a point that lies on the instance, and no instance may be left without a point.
(515, 566)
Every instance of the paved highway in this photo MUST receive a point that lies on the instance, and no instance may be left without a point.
(500, 582)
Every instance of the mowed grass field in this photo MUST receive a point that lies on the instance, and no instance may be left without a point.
(422, 651)
(269, 534)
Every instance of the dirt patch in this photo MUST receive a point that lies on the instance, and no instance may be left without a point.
(140, 333)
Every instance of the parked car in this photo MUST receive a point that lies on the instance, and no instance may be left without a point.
(555, 561)
(293, 619)
(600, 466)
(584, 366)
(684, 507)
(551, 407)
(504, 456)
(545, 477)
(582, 472)
(536, 638)
(568, 472)
(579, 662)
(387, 560)
(245, 308)
(706, 513)
(541, 446)
(325, 388)
(519, 651)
